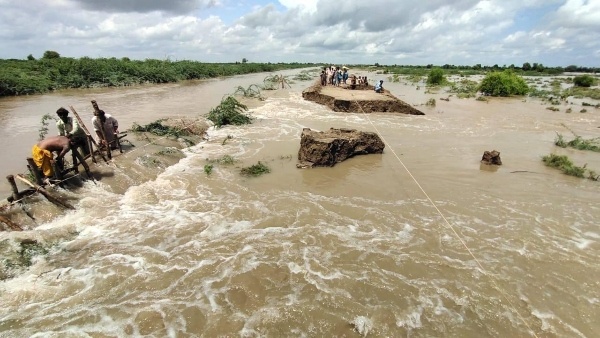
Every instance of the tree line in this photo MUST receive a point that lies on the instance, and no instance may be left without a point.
(52, 72)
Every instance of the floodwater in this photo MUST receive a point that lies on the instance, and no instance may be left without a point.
(420, 241)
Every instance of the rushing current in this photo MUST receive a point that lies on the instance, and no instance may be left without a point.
(420, 241)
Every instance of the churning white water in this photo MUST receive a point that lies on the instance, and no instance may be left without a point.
(353, 250)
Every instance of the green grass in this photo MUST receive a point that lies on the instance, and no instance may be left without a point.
(255, 170)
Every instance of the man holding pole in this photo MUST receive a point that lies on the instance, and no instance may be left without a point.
(106, 128)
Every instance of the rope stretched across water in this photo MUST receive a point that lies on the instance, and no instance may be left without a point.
(448, 225)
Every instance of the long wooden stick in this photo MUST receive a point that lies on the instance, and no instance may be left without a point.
(48, 195)
(11, 224)
(87, 132)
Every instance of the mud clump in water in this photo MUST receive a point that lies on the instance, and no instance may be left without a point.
(359, 100)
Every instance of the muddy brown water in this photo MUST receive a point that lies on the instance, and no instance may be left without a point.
(359, 249)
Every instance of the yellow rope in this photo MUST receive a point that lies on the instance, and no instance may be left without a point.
(447, 222)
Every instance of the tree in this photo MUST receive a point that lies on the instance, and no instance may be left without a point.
(244, 60)
(50, 54)
(526, 66)
(30, 57)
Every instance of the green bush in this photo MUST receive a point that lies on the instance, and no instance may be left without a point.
(583, 81)
(436, 77)
(504, 83)
(229, 111)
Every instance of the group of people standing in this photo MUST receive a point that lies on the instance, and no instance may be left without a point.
(334, 76)
(72, 136)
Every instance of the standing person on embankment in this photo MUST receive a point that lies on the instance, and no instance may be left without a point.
(67, 126)
(106, 128)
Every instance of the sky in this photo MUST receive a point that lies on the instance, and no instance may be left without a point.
(402, 32)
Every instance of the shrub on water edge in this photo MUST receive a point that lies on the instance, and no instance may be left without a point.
(229, 111)
(504, 83)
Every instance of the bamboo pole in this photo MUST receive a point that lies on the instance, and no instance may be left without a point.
(56, 200)
(90, 137)
(11, 224)
(13, 186)
(102, 131)
(35, 171)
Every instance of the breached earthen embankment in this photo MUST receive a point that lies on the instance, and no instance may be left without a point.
(359, 100)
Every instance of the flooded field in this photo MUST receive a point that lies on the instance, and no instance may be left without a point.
(420, 241)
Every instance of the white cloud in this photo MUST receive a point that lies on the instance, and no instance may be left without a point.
(305, 5)
(351, 31)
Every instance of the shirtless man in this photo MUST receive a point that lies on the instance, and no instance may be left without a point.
(43, 152)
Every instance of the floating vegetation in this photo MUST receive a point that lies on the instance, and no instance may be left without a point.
(23, 258)
(148, 161)
(465, 88)
(208, 168)
(414, 78)
(305, 75)
(430, 102)
(169, 151)
(583, 111)
(553, 108)
(273, 82)
(229, 111)
(225, 160)
(256, 170)
(482, 98)
(229, 137)
(569, 111)
(158, 128)
(252, 91)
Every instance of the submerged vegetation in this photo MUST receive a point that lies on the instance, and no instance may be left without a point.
(229, 111)
(578, 143)
(158, 128)
(505, 83)
(256, 170)
(563, 163)
(252, 91)
(436, 77)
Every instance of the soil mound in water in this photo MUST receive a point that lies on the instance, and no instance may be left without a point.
(359, 100)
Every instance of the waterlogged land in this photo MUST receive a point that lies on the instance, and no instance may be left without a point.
(353, 250)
